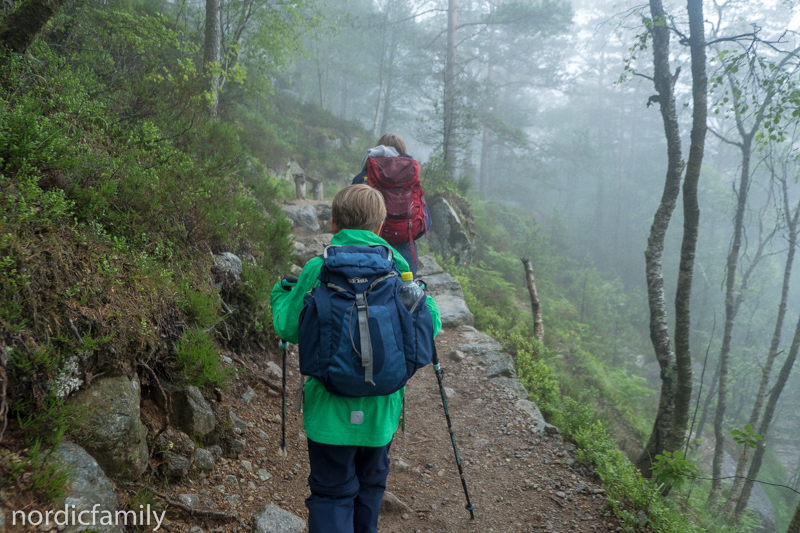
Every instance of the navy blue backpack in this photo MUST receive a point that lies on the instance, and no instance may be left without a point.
(355, 335)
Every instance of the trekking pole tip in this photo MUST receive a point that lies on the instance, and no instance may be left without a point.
(470, 507)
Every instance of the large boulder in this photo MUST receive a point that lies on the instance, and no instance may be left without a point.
(480, 348)
(512, 386)
(439, 284)
(303, 218)
(115, 435)
(470, 334)
(503, 368)
(538, 425)
(427, 266)
(324, 212)
(310, 246)
(447, 236)
(227, 262)
(454, 311)
(89, 489)
(190, 412)
(272, 519)
(449, 296)
(174, 466)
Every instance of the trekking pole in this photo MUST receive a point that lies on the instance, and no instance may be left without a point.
(287, 283)
(437, 369)
(284, 346)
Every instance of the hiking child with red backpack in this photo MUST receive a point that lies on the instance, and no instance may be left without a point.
(358, 345)
(388, 168)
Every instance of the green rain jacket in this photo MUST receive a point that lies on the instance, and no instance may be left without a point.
(327, 418)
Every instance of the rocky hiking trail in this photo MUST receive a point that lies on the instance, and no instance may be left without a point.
(521, 474)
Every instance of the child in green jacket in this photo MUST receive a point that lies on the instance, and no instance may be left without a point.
(348, 438)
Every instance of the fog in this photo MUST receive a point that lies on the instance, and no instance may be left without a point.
(553, 116)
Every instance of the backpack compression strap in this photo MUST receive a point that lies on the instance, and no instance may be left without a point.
(366, 342)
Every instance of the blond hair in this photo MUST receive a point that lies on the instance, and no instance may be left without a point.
(358, 207)
(393, 140)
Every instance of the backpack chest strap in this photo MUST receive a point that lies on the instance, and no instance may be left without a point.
(366, 343)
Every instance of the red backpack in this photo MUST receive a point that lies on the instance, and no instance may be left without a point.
(397, 178)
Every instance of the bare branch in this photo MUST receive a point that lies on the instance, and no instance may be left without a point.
(723, 139)
(748, 479)
(194, 511)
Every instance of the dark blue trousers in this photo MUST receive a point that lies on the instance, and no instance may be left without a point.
(407, 250)
(347, 485)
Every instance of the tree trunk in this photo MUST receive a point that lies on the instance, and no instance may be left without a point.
(322, 79)
(232, 51)
(343, 114)
(691, 222)
(381, 82)
(387, 97)
(448, 105)
(600, 202)
(536, 309)
(711, 394)
(766, 421)
(732, 304)
(766, 372)
(794, 525)
(659, 332)
(20, 28)
(731, 310)
(483, 173)
(211, 53)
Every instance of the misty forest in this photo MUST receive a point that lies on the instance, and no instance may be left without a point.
(615, 195)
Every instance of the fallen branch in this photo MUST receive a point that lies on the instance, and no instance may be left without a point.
(75, 331)
(194, 511)
(266, 380)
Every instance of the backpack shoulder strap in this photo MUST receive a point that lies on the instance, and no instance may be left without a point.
(366, 342)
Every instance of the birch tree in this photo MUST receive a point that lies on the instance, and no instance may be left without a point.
(669, 428)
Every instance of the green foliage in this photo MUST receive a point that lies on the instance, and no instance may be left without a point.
(439, 182)
(198, 361)
(580, 367)
(127, 211)
(143, 498)
(627, 492)
(757, 92)
(49, 478)
(747, 436)
(539, 379)
(201, 308)
(673, 469)
(277, 129)
(50, 421)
